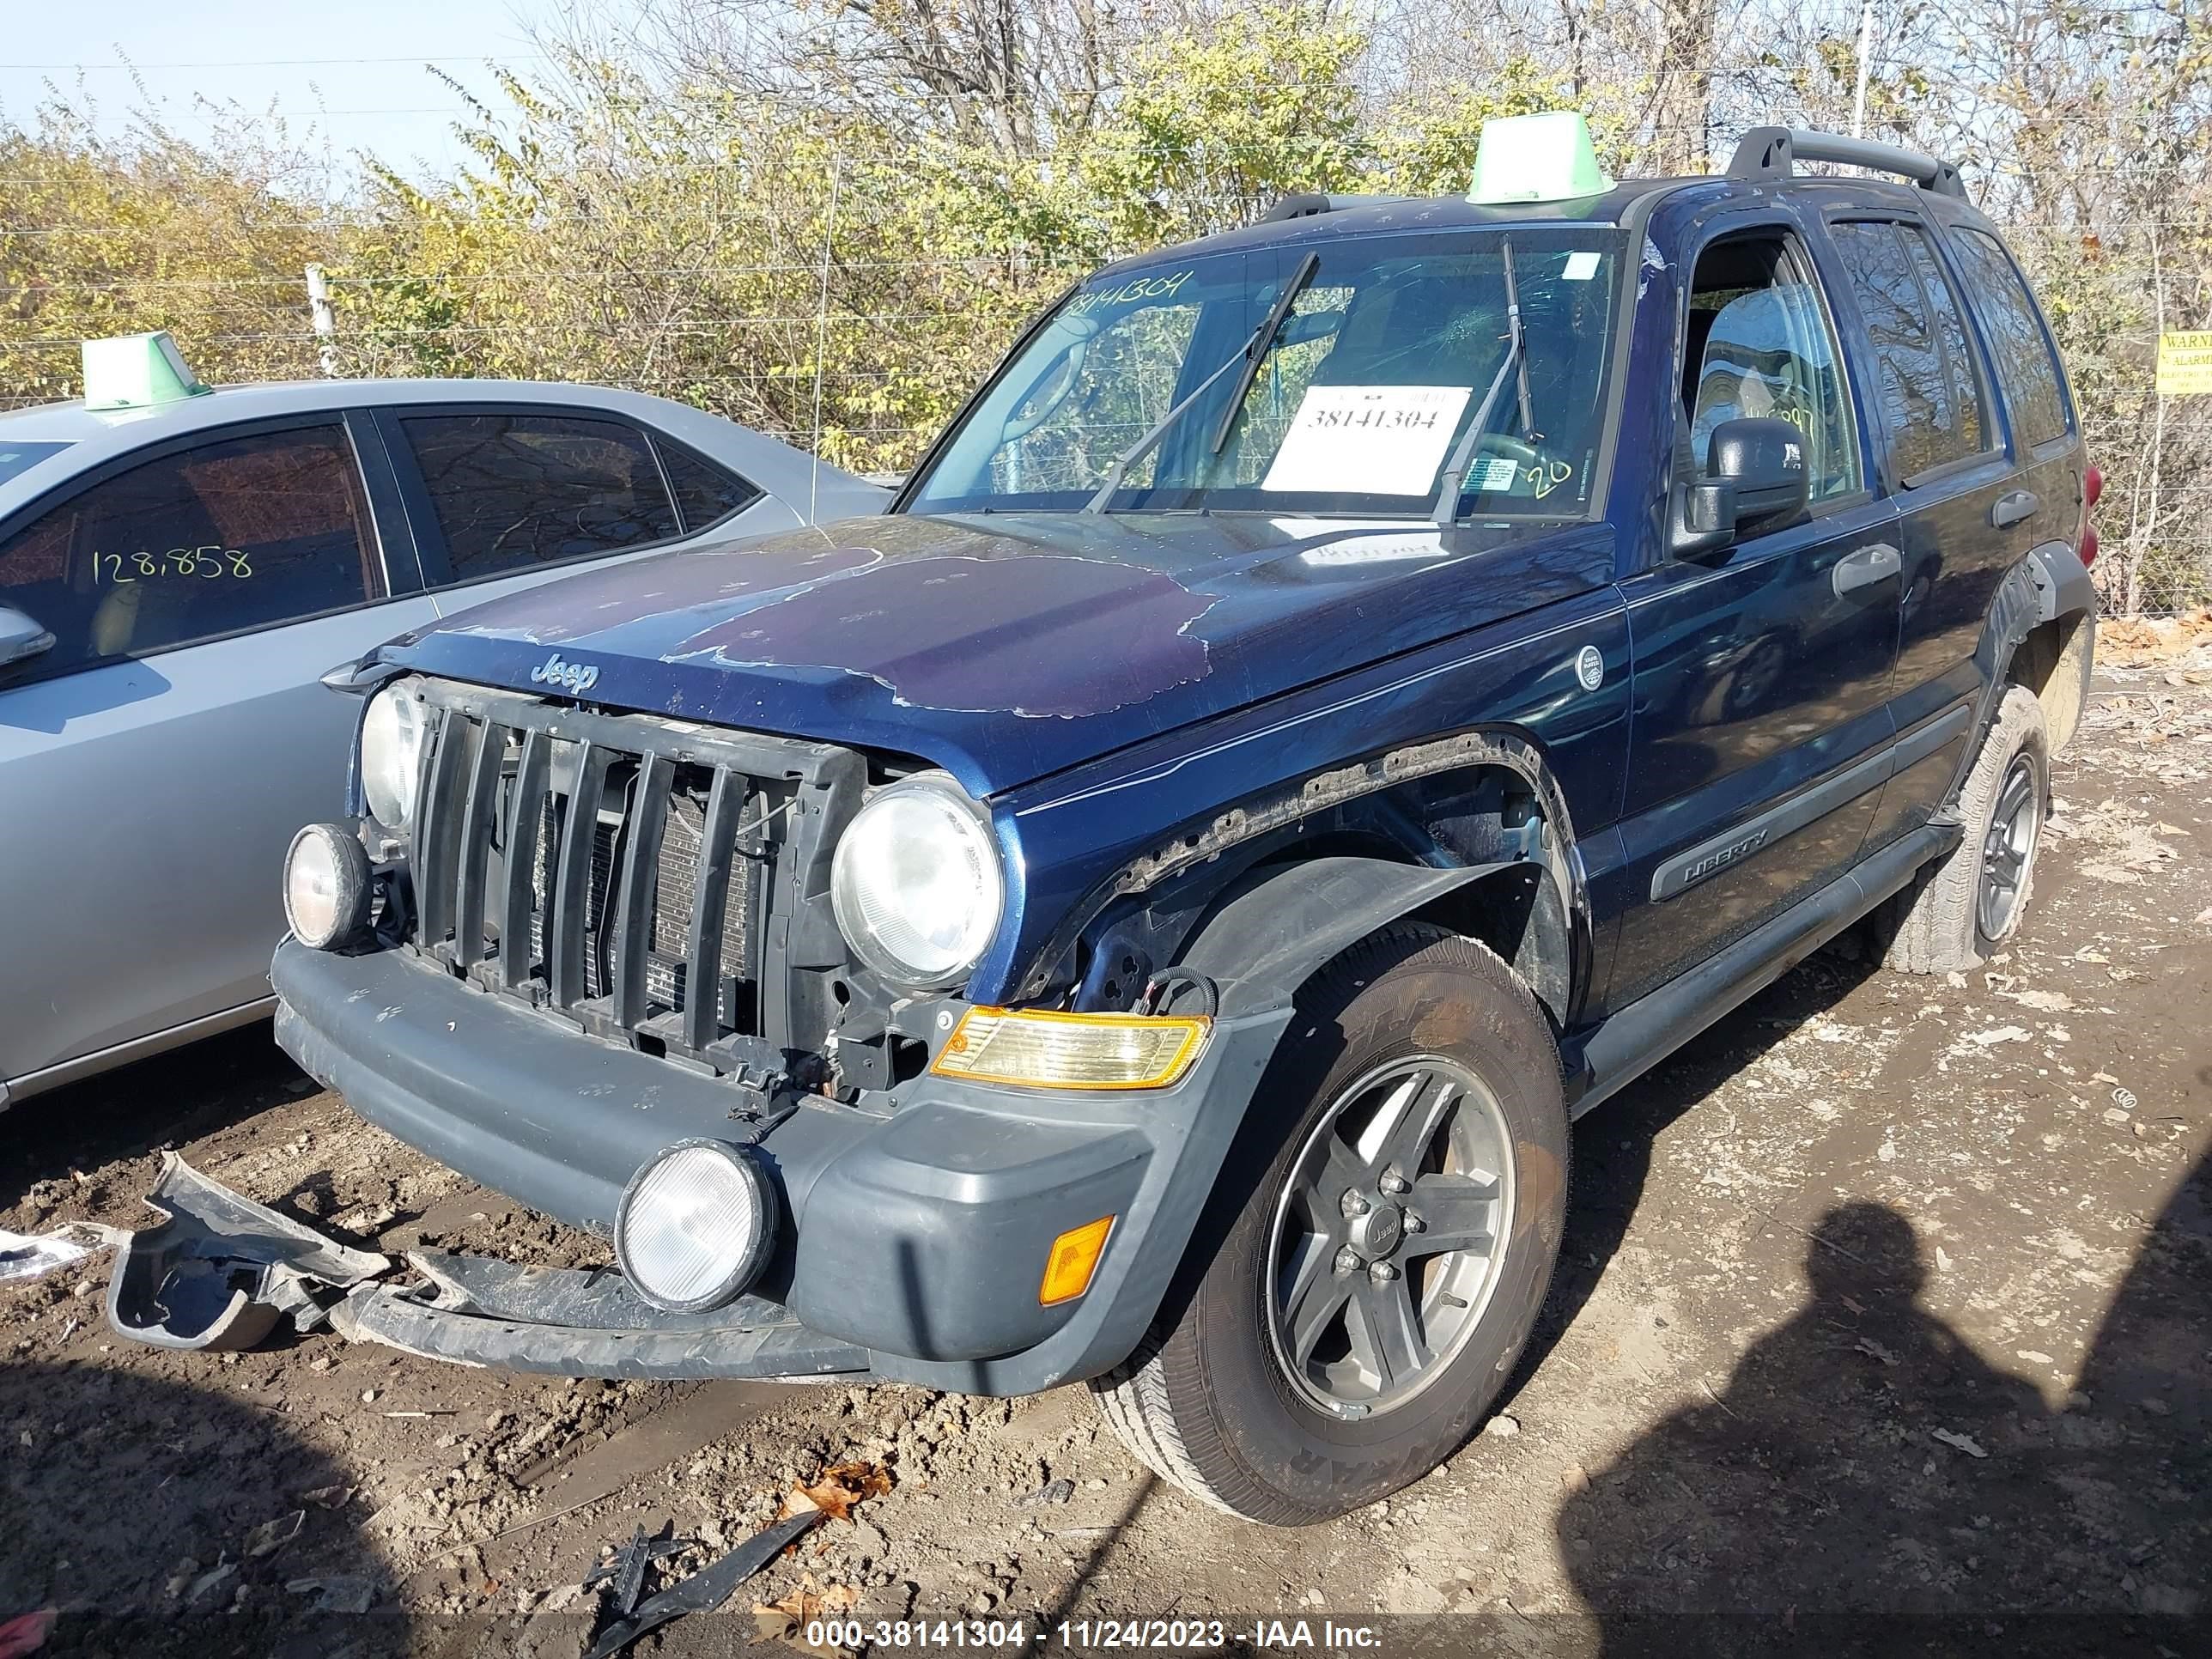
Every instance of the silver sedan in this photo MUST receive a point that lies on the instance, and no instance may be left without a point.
(175, 579)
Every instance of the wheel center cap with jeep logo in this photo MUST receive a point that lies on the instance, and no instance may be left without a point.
(1378, 1232)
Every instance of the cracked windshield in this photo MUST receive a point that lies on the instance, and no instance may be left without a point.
(1364, 398)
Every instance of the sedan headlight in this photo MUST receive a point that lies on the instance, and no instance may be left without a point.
(391, 735)
(915, 883)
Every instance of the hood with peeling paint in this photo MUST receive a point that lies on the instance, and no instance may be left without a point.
(1004, 647)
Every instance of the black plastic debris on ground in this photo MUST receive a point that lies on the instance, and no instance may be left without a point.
(624, 1574)
(702, 1592)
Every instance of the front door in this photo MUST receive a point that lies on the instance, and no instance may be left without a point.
(1761, 728)
(155, 762)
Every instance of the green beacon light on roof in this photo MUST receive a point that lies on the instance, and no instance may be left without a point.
(136, 371)
(1536, 158)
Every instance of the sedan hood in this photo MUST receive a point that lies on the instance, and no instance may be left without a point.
(1003, 647)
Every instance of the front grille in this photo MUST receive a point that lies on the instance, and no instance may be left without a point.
(615, 867)
(674, 891)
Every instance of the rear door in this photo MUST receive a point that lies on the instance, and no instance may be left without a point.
(1964, 519)
(1762, 668)
(505, 496)
(155, 762)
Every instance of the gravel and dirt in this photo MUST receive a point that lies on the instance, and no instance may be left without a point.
(1885, 1319)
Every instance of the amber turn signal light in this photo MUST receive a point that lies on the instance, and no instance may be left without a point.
(1038, 1049)
(1073, 1259)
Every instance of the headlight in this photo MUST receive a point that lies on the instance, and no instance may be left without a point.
(392, 733)
(694, 1225)
(326, 886)
(915, 883)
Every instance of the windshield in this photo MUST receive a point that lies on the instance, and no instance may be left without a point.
(1371, 381)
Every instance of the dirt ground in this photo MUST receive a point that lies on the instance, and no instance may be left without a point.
(1884, 1324)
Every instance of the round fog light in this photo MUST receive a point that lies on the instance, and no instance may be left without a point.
(693, 1226)
(326, 886)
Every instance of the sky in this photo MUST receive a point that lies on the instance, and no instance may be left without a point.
(355, 72)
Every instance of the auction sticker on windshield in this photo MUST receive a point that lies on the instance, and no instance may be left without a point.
(1372, 440)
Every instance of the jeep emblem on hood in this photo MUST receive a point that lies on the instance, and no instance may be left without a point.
(572, 677)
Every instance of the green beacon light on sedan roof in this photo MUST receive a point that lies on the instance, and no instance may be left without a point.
(136, 371)
(1537, 158)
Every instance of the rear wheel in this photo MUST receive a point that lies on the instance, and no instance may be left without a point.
(1962, 910)
(1400, 1212)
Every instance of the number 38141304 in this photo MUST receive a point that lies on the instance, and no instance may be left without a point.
(212, 564)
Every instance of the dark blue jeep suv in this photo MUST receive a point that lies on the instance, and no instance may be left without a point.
(1345, 697)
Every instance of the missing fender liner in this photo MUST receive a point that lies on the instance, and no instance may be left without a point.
(1318, 794)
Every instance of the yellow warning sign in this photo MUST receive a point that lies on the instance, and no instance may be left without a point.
(2184, 362)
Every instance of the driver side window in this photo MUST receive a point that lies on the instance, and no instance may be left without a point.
(1759, 343)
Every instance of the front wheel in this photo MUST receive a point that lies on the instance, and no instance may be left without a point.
(1403, 1180)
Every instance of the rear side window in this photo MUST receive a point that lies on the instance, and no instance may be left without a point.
(1951, 328)
(245, 533)
(2027, 367)
(512, 491)
(1929, 386)
(705, 493)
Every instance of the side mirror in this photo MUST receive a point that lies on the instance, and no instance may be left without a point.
(21, 638)
(1754, 471)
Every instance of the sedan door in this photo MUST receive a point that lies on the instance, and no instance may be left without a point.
(155, 762)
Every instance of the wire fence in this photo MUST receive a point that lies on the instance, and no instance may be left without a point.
(812, 302)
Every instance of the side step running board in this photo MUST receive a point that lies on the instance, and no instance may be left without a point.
(1653, 1026)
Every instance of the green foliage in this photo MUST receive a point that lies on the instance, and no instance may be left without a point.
(100, 237)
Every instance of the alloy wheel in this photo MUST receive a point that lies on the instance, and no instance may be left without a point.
(2015, 821)
(1389, 1236)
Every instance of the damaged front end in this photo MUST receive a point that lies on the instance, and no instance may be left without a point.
(572, 1322)
(220, 1273)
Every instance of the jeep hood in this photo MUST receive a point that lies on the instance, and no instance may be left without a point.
(1003, 647)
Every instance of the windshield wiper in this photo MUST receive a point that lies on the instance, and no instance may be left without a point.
(1257, 353)
(1444, 510)
(1255, 350)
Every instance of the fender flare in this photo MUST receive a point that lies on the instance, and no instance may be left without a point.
(1269, 939)
(2063, 586)
(2049, 583)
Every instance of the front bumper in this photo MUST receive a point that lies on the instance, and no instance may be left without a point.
(917, 1225)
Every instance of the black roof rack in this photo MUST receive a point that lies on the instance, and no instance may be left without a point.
(1307, 204)
(1767, 153)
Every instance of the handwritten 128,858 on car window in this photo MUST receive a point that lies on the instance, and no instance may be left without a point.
(204, 563)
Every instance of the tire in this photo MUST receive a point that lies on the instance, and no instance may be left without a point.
(1943, 923)
(1290, 1427)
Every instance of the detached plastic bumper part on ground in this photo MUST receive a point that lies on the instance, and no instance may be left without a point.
(917, 1223)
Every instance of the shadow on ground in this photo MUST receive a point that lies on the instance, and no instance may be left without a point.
(1613, 1145)
(1868, 1484)
(167, 1567)
(138, 1109)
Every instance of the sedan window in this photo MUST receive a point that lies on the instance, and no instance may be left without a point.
(20, 457)
(705, 493)
(515, 490)
(239, 534)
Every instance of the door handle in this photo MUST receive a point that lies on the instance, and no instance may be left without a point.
(2013, 506)
(1863, 569)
